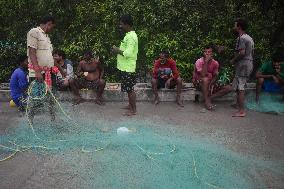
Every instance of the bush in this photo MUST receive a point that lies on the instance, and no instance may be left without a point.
(181, 26)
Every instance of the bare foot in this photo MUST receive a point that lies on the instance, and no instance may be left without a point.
(209, 106)
(129, 113)
(157, 100)
(179, 102)
(78, 101)
(239, 114)
(126, 107)
(99, 102)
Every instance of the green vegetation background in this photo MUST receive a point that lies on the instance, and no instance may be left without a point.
(182, 26)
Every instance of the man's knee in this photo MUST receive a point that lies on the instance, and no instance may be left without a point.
(72, 82)
(179, 80)
(205, 81)
(229, 88)
(102, 82)
(260, 81)
(154, 81)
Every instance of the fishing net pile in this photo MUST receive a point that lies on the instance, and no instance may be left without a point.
(123, 154)
(270, 102)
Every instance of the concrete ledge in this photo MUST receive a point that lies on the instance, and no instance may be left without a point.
(143, 92)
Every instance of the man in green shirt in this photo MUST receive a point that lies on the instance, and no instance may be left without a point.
(271, 71)
(126, 61)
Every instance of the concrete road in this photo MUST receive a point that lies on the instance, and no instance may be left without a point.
(258, 134)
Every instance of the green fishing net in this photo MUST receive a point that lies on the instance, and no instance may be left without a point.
(269, 102)
(92, 152)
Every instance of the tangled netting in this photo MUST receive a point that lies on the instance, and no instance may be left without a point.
(269, 103)
(127, 154)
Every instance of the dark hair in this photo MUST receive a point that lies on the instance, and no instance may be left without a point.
(127, 19)
(209, 46)
(46, 19)
(277, 57)
(166, 53)
(60, 53)
(21, 59)
(242, 23)
(89, 53)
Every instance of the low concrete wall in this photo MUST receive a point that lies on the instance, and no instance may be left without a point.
(143, 91)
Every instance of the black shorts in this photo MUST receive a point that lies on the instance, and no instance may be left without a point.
(162, 83)
(128, 81)
(86, 84)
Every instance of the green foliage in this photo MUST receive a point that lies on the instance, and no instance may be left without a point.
(181, 26)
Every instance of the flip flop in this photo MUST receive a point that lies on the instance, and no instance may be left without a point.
(239, 114)
(129, 114)
(211, 107)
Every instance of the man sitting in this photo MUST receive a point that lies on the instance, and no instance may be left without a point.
(92, 78)
(165, 74)
(270, 75)
(19, 82)
(65, 67)
(205, 75)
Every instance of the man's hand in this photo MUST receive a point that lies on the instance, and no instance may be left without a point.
(38, 76)
(275, 79)
(115, 50)
(63, 73)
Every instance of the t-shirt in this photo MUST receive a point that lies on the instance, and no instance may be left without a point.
(212, 68)
(68, 69)
(267, 69)
(39, 40)
(18, 83)
(129, 46)
(167, 70)
(245, 65)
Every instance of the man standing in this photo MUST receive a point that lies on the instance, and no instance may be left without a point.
(19, 83)
(205, 75)
(41, 63)
(126, 61)
(92, 78)
(243, 60)
(165, 74)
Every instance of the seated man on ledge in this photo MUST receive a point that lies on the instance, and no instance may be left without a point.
(65, 68)
(271, 75)
(165, 74)
(205, 75)
(92, 72)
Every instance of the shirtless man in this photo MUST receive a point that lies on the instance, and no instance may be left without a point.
(89, 76)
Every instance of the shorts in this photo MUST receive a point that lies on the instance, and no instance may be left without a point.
(84, 83)
(162, 83)
(239, 83)
(128, 81)
(215, 87)
(60, 85)
(269, 85)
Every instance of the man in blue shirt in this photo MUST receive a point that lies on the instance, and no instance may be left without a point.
(19, 82)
